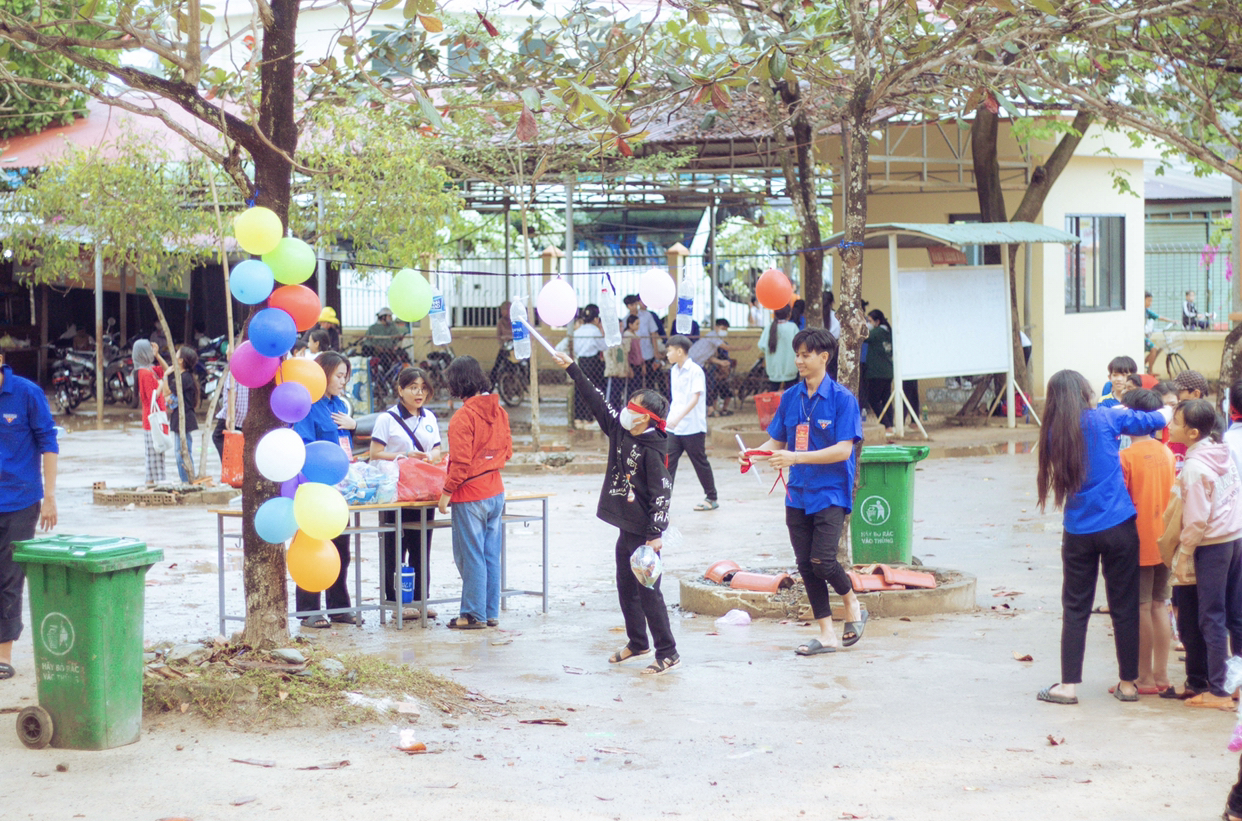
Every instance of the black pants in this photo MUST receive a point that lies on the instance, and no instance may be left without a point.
(410, 554)
(217, 439)
(1234, 804)
(815, 537)
(16, 526)
(642, 607)
(910, 387)
(338, 594)
(694, 446)
(593, 369)
(1186, 600)
(878, 391)
(1083, 555)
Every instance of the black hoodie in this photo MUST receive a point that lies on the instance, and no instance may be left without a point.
(637, 486)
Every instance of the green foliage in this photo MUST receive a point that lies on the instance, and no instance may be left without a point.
(776, 230)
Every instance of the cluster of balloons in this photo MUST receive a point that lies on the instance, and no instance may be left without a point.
(557, 303)
(310, 511)
(773, 290)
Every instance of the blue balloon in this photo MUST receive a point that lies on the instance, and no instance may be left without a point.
(272, 332)
(274, 521)
(251, 281)
(325, 462)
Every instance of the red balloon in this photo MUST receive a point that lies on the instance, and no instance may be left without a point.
(299, 302)
(773, 290)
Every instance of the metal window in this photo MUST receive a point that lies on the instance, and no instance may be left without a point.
(1095, 269)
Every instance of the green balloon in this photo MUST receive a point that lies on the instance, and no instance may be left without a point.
(409, 295)
(292, 261)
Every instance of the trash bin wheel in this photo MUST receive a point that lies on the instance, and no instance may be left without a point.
(34, 727)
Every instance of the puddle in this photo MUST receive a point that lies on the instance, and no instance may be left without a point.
(993, 449)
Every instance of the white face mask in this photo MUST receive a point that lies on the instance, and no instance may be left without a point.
(722, 333)
(628, 418)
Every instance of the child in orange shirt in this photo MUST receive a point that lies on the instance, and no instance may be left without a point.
(1147, 466)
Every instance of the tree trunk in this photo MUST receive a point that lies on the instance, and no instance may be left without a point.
(802, 187)
(263, 564)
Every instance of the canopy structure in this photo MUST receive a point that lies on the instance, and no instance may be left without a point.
(896, 235)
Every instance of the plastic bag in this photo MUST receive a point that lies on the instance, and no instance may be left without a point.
(736, 618)
(646, 564)
(420, 481)
(358, 486)
(672, 538)
(385, 478)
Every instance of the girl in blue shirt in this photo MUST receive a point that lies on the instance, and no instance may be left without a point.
(1080, 468)
(329, 420)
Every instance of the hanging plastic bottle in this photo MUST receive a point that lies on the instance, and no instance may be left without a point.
(521, 336)
(440, 333)
(685, 309)
(608, 312)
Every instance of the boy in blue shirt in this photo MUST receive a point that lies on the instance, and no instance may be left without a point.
(820, 423)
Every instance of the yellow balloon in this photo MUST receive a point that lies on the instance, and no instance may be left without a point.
(258, 230)
(320, 510)
(313, 563)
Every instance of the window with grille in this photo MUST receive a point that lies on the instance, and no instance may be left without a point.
(1095, 269)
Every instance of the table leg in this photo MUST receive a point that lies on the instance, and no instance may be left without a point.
(426, 560)
(545, 554)
(357, 571)
(220, 565)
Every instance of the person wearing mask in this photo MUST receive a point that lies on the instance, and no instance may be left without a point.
(879, 372)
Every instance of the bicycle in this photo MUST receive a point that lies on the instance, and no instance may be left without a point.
(1174, 362)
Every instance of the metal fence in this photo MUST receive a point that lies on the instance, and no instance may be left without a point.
(1173, 268)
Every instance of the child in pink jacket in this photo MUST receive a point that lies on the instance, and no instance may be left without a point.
(1209, 552)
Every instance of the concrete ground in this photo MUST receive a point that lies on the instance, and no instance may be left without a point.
(931, 718)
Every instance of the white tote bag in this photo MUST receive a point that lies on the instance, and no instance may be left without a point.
(161, 437)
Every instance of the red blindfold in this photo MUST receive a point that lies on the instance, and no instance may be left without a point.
(655, 420)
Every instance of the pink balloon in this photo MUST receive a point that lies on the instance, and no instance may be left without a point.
(251, 368)
(557, 303)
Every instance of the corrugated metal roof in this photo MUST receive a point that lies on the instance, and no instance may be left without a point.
(927, 234)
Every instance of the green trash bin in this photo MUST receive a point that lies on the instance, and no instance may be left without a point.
(883, 522)
(86, 603)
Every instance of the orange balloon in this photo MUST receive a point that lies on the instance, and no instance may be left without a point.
(314, 564)
(299, 302)
(773, 290)
(306, 372)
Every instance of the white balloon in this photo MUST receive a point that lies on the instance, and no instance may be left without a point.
(557, 303)
(280, 454)
(656, 289)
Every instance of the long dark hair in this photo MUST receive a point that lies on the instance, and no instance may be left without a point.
(1200, 415)
(782, 315)
(465, 378)
(1062, 446)
(879, 318)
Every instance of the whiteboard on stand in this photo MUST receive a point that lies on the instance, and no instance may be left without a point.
(952, 322)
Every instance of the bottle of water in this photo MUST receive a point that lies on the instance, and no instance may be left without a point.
(608, 313)
(685, 310)
(440, 333)
(521, 336)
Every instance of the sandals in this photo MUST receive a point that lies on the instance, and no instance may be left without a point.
(815, 648)
(1047, 695)
(6, 671)
(1210, 700)
(318, 622)
(707, 504)
(853, 632)
(493, 622)
(343, 618)
(1120, 696)
(466, 622)
(661, 666)
(625, 653)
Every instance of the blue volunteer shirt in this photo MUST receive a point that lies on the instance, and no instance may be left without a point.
(1102, 501)
(317, 426)
(26, 433)
(832, 413)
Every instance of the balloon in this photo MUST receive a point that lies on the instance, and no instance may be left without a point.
(289, 487)
(326, 462)
(313, 563)
(258, 230)
(305, 371)
(773, 290)
(280, 454)
(292, 260)
(321, 510)
(656, 288)
(291, 402)
(250, 281)
(274, 521)
(409, 295)
(557, 303)
(299, 302)
(272, 332)
(251, 368)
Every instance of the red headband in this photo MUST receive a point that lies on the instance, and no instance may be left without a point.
(659, 423)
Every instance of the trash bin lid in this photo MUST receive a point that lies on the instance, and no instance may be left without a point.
(893, 453)
(93, 554)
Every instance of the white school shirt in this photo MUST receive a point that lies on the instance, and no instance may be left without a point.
(687, 380)
(646, 327)
(393, 437)
(588, 340)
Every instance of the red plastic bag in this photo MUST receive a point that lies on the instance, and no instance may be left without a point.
(419, 481)
(766, 405)
(232, 466)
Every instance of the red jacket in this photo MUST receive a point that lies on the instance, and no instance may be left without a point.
(479, 446)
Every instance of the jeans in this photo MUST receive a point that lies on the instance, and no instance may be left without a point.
(1083, 555)
(642, 607)
(815, 537)
(694, 446)
(477, 532)
(15, 526)
(185, 463)
(1218, 568)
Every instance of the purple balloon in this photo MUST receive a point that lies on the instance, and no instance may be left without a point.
(325, 462)
(251, 368)
(272, 331)
(291, 402)
(289, 487)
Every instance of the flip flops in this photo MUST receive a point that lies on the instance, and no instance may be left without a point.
(318, 622)
(1047, 695)
(625, 654)
(466, 622)
(707, 504)
(6, 671)
(814, 648)
(1211, 701)
(1120, 696)
(856, 628)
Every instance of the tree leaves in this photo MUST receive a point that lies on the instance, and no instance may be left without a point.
(527, 128)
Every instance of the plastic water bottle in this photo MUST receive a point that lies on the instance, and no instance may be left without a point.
(685, 310)
(440, 333)
(521, 336)
(608, 313)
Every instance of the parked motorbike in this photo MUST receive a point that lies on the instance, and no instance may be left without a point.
(73, 378)
(510, 376)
